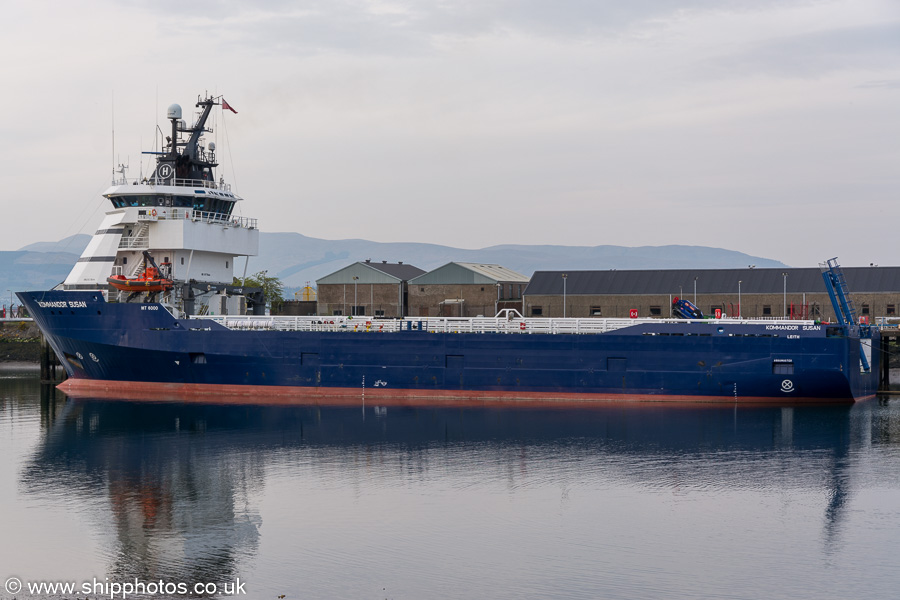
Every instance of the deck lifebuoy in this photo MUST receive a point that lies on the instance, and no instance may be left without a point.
(153, 213)
(522, 325)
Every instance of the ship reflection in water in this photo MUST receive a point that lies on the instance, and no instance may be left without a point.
(459, 502)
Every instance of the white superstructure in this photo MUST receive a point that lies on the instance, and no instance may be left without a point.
(181, 215)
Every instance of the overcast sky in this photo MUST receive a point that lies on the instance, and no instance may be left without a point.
(771, 128)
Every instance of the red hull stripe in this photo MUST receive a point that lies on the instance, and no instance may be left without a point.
(300, 396)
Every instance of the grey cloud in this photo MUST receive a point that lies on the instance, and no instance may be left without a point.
(574, 17)
(359, 26)
(882, 84)
(812, 55)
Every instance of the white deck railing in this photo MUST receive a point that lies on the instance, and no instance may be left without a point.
(161, 213)
(459, 324)
(135, 242)
(201, 183)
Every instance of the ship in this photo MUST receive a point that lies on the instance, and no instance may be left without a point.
(119, 324)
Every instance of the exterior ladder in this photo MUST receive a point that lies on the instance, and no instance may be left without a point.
(836, 285)
(839, 293)
(139, 239)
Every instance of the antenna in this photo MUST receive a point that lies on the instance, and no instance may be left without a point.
(113, 118)
(121, 169)
(215, 116)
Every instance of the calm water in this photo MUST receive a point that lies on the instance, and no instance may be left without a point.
(631, 502)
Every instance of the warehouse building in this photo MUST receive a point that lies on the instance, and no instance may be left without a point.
(369, 288)
(752, 293)
(460, 289)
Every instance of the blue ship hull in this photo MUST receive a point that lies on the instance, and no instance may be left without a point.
(122, 346)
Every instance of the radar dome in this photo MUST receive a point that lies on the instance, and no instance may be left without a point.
(173, 112)
(212, 146)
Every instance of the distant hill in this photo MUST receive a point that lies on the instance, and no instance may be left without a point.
(23, 271)
(296, 258)
(74, 244)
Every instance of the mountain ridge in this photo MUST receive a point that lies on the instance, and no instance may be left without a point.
(297, 259)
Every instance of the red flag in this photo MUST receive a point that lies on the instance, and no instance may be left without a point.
(226, 106)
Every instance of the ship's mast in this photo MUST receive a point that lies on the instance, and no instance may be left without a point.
(193, 163)
(191, 148)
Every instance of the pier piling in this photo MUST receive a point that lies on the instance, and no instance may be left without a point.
(887, 347)
(49, 363)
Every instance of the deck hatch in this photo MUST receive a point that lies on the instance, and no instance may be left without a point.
(616, 364)
(454, 361)
(783, 366)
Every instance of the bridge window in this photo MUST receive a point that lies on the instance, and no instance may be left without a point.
(213, 205)
(136, 200)
(199, 202)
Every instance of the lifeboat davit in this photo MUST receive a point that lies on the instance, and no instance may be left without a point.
(149, 281)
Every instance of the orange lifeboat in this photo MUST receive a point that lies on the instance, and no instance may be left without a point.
(149, 281)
